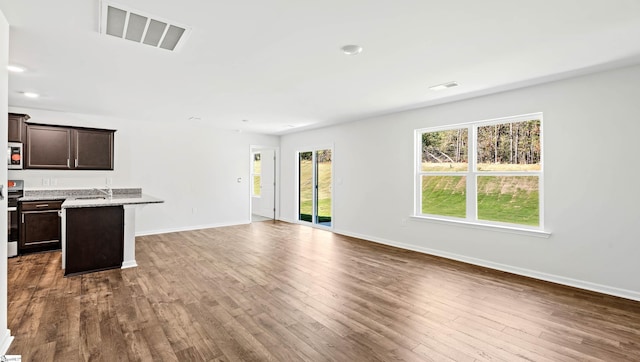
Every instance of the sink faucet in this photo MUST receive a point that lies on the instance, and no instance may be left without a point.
(108, 192)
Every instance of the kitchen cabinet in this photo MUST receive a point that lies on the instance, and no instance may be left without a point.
(39, 226)
(94, 239)
(16, 125)
(94, 149)
(48, 147)
(68, 148)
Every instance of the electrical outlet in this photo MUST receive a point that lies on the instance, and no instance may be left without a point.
(194, 210)
(46, 182)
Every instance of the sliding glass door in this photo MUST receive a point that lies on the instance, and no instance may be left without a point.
(305, 186)
(314, 186)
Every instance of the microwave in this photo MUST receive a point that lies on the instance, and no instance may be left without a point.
(14, 155)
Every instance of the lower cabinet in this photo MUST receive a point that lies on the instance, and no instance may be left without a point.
(94, 239)
(39, 226)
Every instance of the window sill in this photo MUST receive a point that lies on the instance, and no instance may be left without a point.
(499, 228)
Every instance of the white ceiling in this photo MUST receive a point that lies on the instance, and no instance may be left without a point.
(277, 63)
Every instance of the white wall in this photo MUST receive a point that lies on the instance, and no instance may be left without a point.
(191, 165)
(591, 196)
(5, 335)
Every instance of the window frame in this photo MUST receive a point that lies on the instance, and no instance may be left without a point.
(472, 175)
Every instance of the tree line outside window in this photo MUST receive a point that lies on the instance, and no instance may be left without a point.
(514, 143)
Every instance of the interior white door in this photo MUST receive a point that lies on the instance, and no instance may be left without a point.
(5, 336)
(267, 184)
(263, 182)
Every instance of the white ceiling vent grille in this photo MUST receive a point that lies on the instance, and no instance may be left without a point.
(116, 20)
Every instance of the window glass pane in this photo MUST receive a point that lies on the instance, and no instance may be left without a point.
(257, 168)
(305, 207)
(509, 147)
(323, 164)
(444, 195)
(445, 150)
(510, 199)
(257, 163)
(256, 185)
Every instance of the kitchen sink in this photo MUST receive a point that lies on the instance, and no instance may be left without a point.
(90, 198)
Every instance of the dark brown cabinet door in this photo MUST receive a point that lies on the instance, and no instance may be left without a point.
(68, 148)
(39, 226)
(94, 239)
(16, 127)
(48, 147)
(94, 149)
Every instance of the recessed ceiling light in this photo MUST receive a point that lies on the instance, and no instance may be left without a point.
(31, 94)
(195, 118)
(245, 120)
(352, 49)
(16, 68)
(444, 86)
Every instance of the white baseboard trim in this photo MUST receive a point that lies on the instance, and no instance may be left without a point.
(263, 213)
(5, 342)
(581, 284)
(190, 228)
(129, 264)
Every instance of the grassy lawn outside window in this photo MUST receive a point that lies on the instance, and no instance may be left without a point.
(487, 172)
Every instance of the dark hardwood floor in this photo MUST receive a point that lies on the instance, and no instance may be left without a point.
(282, 292)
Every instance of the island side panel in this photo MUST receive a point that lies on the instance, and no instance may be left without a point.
(129, 260)
(63, 236)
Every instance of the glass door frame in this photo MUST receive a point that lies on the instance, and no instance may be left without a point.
(314, 213)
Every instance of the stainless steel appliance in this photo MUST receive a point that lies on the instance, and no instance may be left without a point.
(14, 155)
(15, 191)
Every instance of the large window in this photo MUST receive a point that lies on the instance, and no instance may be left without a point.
(487, 172)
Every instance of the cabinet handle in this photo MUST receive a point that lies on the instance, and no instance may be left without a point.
(76, 162)
(68, 163)
(23, 218)
(43, 205)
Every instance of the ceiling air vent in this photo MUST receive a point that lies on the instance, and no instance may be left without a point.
(116, 20)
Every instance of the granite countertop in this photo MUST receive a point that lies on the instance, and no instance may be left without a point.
(43, 197)
(114, 201)
(75, 198)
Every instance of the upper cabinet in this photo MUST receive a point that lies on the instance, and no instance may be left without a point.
(16, 127)
(93, 149)
(48, 147)
(68, 148)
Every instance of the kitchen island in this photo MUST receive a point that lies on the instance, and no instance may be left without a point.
(100, 228)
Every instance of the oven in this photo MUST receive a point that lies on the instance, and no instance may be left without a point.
(15, 191)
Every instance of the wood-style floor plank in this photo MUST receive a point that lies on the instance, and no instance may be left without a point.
(282, 292)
